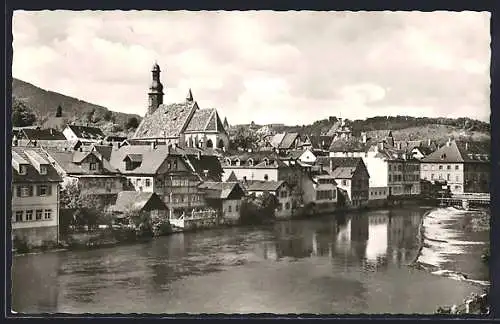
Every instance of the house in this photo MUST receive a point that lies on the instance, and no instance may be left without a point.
(284, 142)
(90, 170)
(465, 166)
(151, 168)
(85, 134)
(139, 202)
(319, 191)
(37, 137)
(183, 124)
(225, 197)
(378, 196)
(203, 162)
(35, 198)
(319, 143)
(266, 166)
(280, 189)
(351, 175)
(340, 130)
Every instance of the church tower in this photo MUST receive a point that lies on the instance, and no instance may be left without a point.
(155, 94)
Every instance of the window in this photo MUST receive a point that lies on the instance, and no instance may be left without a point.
(29, 215)
(448, 167)
(448, 177)
(280, 207)
(229, 209)
(432, 176)
(148, 182)
(19, 216)
(457, 167)
(440, 167)
(43, 190)
(93, 166)
(38, 214)
(48, 214)
(23, 169)
(344, 182)
(390, 167)
(287, 205)
(26, 191)
(390, 178)
(43, 169)
(237, 207)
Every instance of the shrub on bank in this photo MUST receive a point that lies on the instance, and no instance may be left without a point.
(258, 210)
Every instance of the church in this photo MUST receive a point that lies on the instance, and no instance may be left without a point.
(181, 124)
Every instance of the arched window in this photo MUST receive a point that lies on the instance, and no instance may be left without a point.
(220, 144)
(210, 144)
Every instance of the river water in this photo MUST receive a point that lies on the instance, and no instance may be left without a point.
(355, 263)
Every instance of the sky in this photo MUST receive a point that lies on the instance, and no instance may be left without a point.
(291, 67)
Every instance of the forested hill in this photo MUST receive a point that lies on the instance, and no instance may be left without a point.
(44, 104)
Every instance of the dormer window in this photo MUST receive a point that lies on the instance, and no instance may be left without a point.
(93, 166)
(250, 162)
(43, 169)
(23, 169)
(443, 156)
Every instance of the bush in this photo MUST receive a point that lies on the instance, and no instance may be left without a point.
(132, 123)
(20, 245)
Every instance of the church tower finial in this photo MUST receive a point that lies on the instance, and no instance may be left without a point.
(155, 94)
(189, 96)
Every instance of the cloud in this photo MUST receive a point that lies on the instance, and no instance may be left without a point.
(290, 67)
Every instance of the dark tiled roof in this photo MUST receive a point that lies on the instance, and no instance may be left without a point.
(458, 151)
(87, 132)
(43, 134)
(220, 190)
(166, 121)
(32, 175)
(343, 172)
(153, 158)
(321, 142)
(339, 161)
(350, 145)
(104, 151)
(136, 200)
(68, 161)
(206, 162)
(203, 119)
(294, 154)
(288, 140)
(264, 185)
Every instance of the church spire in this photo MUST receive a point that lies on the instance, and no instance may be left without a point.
(155, 94)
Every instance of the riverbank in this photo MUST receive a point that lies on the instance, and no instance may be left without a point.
(439, 238)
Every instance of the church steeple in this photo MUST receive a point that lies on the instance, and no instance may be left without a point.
(155, 94)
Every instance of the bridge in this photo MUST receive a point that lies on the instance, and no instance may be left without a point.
(467, 199)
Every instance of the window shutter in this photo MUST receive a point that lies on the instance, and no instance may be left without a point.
(31, 190)
(18, 190)
(49, 189)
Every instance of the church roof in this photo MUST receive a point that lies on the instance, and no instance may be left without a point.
(167, 121)
(203, 120)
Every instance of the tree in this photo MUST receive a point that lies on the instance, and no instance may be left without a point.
(108, 115)
(244, 139)
(87, 208)
(59, 111)
(132, 123)
(22, 115)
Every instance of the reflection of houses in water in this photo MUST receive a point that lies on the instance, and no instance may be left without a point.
(376, 249)
(402, 236)
(270, 251)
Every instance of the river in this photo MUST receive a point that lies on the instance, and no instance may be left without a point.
(356, 263)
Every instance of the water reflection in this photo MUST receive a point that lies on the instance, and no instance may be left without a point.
(319, 265)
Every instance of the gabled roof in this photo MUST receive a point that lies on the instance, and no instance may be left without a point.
(264, 185)
(294, 154)
(69, 162)
(342, 167)
(32, 175)
(87, 132)
(166, 121)
(135, 200)
(220, 190)
(43, 134)
(205, 120)
(457, 151)
(209, 163)
(349, 145)
(277, 139)
(153, 158)
(232, 177)
(343, 172)
(288, 140)
(103, 150)
(321, 142)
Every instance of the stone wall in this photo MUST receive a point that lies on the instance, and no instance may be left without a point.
(36, 237)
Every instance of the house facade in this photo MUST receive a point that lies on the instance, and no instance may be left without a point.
(281, 190)
(35, 198)
(319, 191)
(351, 175)
(464, 166)
(225, 197)
(182, 124)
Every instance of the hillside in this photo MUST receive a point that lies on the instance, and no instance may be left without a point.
(44, 104)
